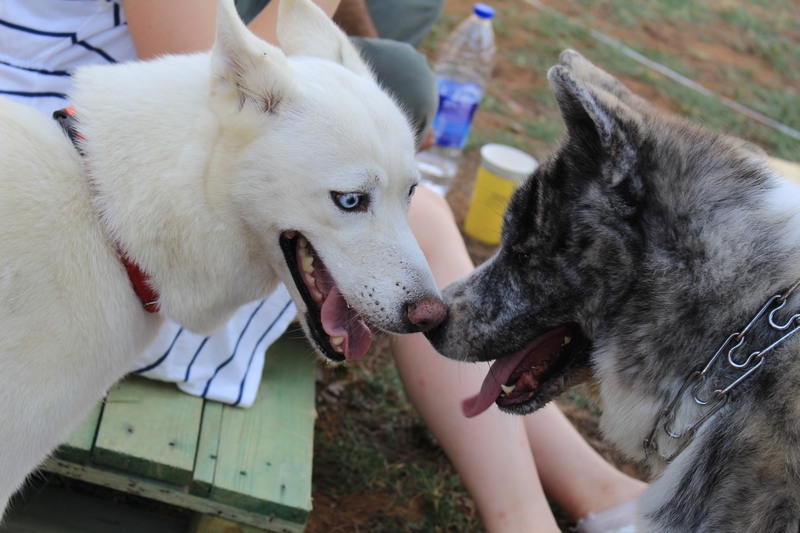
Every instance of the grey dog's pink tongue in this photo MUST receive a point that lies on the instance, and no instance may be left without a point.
(501, 370)
(340, 321)
(498, 374)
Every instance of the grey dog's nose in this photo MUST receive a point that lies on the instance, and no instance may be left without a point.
(425, 314)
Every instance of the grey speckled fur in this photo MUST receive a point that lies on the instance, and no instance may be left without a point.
(653, 239)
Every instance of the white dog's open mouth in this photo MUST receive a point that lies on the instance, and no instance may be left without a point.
(516, 382)
(338, 330)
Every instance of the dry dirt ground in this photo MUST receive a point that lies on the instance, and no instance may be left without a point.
(715, 51)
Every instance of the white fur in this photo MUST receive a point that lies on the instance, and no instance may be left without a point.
(623, 415)
(196, 165)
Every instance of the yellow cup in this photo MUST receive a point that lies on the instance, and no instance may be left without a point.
(502, 169)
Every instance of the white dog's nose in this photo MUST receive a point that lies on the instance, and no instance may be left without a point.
(426, 314)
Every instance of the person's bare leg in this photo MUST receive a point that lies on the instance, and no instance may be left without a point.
(573, 474)
(490, 452)
(500, 457)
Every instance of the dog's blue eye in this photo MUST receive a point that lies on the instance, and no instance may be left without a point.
(350, 201)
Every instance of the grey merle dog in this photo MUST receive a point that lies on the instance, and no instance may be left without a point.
(660, 260)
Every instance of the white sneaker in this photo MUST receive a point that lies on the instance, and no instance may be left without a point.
(619, 519)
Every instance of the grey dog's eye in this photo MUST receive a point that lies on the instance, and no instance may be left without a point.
(350, 201)
(520, 256)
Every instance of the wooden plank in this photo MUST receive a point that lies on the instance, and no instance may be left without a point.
(207, 448)
(169, 494)
(78, 447)
(265, 452)
(150, 429)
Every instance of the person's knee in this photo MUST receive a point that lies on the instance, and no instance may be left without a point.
(438, 236)
(430, 213)
(432, 203)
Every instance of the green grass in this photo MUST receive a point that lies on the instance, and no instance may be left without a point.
(382, 446)
(553, 33)
(550, 33)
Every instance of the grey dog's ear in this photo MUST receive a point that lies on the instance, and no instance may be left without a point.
(304, 29)
(598, 121)
(586, 71)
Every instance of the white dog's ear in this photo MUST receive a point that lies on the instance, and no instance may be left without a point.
(304, 29)
(257, 71)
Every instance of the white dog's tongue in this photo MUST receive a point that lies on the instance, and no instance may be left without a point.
(502, 369)
(341, 321)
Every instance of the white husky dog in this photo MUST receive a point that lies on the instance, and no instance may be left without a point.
(216, 175)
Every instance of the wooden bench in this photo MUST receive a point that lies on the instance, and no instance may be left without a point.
(250, 466)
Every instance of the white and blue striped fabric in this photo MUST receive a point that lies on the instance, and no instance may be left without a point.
(41, 43)
(226, 366)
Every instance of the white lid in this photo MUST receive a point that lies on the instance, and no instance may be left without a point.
(507, 161)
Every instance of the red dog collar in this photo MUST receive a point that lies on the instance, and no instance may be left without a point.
(139, 279)
(141, 285)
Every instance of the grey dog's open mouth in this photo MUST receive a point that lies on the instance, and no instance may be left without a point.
(516, 381)
(335, 327)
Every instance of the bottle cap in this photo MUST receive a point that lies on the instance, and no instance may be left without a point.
(483, 11)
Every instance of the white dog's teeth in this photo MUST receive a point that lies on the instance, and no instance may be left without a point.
(337, 341)
(338, 349)
(308, 263)
(310, 279)
(567, 340)
(302, 242)
(317, 296)
(507, 389)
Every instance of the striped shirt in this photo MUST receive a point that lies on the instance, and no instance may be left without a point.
(42, 42)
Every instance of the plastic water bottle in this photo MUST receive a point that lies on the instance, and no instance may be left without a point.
(462, 70)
